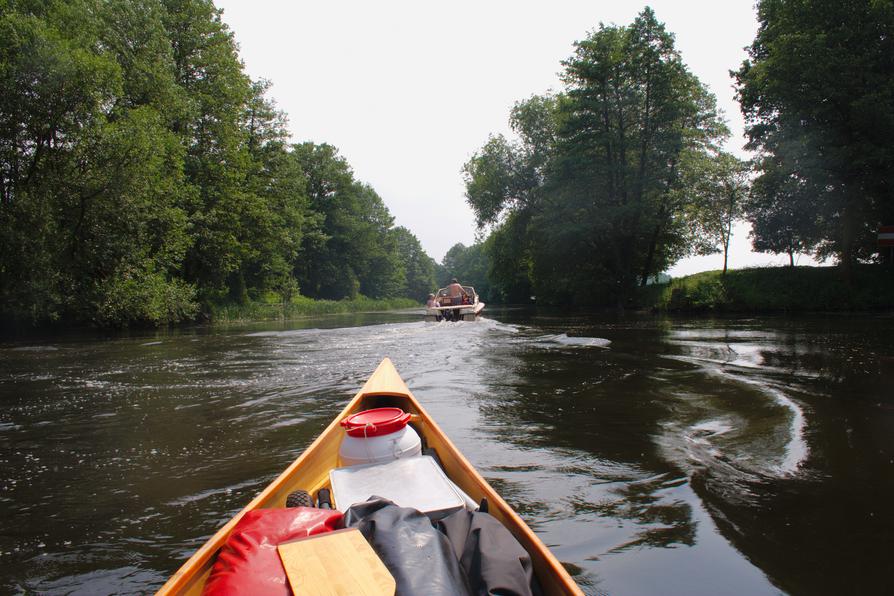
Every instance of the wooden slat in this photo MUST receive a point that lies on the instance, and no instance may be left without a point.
(340, 563)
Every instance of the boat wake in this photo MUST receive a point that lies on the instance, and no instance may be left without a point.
(737, 425)
(796, 449)
(563, 340)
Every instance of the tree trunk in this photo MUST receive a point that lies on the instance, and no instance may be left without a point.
(731, 209)
(622, 148)
(848, 232)
(647, 268)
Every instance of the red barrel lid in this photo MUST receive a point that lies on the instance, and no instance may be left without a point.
(375, 422)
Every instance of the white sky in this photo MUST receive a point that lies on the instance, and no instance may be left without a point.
(407, 91)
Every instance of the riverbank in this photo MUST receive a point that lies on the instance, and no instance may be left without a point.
(301, 306)
(214, 313)
(777, 289)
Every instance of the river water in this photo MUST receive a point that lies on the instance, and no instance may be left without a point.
(653, 456)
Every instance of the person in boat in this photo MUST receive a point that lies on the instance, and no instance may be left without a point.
(456, 292)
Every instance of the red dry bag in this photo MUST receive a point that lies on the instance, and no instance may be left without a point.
(249, 563)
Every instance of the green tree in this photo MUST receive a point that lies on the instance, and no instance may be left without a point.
(374, 249)
(418, 267)
(780, 208)
(508, 176)
(720, 185)
(505, 188)
(142, 172)
(817, 93)
(592, 197)
(91, 228)
(470, 265)
(634, 114)
(510, 267)
(207, 69)
(279, 208)
(352, 251)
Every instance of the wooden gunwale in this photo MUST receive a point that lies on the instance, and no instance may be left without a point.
(310, 472)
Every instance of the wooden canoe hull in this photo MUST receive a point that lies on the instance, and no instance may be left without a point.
(310, 472)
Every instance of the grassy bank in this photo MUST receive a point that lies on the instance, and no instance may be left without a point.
(301, 306)
(775, 289)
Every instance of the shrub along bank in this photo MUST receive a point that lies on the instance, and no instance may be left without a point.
(270, 309)
(864, 287)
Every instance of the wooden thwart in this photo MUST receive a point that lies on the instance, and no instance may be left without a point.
(340, 563)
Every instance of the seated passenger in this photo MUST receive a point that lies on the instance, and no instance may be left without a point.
(432, 302)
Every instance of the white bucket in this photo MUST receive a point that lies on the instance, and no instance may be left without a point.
(376, 450)
(377, 436)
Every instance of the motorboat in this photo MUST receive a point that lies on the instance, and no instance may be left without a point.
(466, 307)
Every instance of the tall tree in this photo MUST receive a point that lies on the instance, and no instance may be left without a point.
(505, 187)
(510, 264)
(91, 227)
(352, 251)
(418, 267)
(142, 172)
(280, 210)
(817, 93)
(720, 186)
(207, 68)
(508, 176)
(595, 183)
(780, 208)
(634, 113)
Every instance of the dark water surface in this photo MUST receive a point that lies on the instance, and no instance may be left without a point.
(654, 456)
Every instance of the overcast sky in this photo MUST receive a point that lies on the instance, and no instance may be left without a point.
(407, 91)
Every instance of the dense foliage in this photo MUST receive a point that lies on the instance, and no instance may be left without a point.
(470, 266)
(818, 95)
(143, 175)
(602, 190)
(772, 289)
